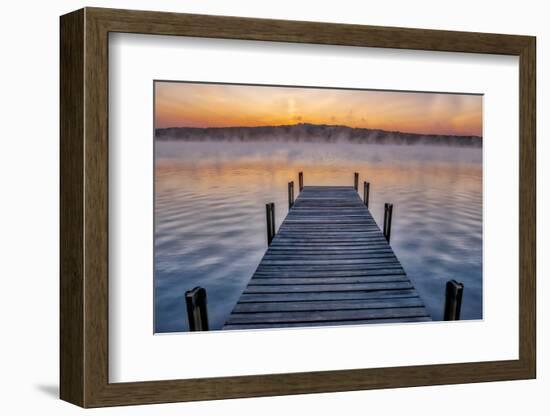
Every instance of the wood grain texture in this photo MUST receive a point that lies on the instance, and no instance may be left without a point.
(327, 214)
(71, 158)
(84, 202)
(527, 208)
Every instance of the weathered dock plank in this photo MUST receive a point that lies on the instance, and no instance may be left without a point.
(328, 306)
(320, 316)
(327, 323)
(328, 264)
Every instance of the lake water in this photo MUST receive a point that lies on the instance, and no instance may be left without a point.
(210, 215)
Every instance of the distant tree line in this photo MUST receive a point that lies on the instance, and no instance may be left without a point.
(315, 133)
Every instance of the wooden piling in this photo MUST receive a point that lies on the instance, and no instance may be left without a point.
(366, 193)
(301, 181)
(388, 211)
(453, 300)
(290, 194)
(197, 313)
(356, 181)
(270, 220)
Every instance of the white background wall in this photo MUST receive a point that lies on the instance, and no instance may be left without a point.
(29, 206)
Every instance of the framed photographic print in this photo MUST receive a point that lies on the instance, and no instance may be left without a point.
(256, 207)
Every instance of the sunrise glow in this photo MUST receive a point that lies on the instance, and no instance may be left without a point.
(179, 104)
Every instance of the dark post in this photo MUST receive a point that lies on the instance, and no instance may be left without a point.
(270, 219)
(366, 192)
(301, 181)
(197, 313)
(453, 300)
(290, 194)
(388, 211)
(356, 181)
(268, 222)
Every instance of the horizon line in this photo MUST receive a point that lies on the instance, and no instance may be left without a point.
(315, 124)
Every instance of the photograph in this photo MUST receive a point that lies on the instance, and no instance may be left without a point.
(296, 206)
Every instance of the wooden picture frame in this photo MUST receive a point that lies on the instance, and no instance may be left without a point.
(84, 207)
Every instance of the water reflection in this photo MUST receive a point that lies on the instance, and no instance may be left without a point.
(210, 215)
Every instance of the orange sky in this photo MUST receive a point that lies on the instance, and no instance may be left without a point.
(180, 104)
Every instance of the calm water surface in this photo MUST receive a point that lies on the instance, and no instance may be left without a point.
(210, 215)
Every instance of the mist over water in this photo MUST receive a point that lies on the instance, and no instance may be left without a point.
(210, 214)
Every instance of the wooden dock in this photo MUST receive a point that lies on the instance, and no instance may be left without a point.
(328, 264)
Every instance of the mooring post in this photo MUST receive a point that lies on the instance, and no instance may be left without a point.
(366, 192)
(197, 313)
(388, 211)
(301, 181)
(356, 181)
(290, 194)
(270, 220)
(453, 300)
